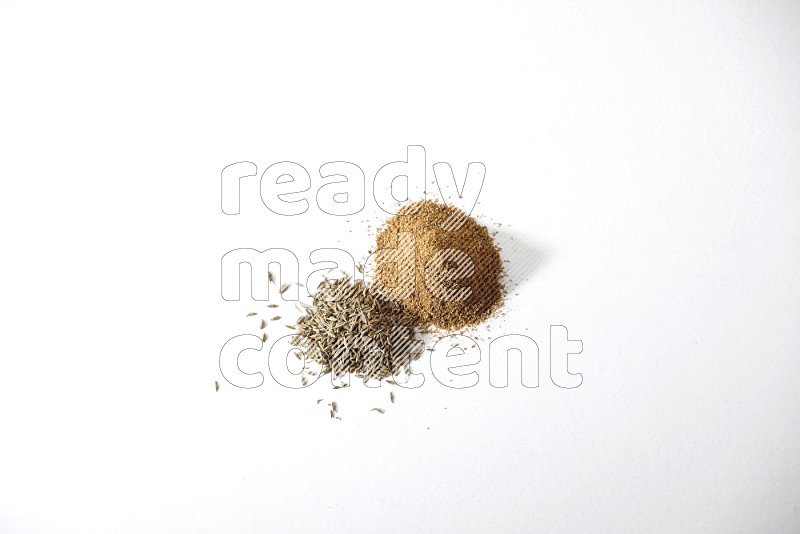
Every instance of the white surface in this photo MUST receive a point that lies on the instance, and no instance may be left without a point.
(643, 155)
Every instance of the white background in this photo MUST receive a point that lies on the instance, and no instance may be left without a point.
(643, 156)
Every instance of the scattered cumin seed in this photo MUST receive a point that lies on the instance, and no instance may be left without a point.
(270, 277)
(379, 410)
(263, 324)
(251, 314)
(320, 400)
(283, 288)
(264, 338)
(290, 327)
(216, 385)
(276, 318)
(391, 396)
(272, 305)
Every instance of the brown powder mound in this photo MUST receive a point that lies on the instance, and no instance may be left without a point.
(440, 265)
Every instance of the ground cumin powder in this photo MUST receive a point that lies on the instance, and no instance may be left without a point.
(440, 265)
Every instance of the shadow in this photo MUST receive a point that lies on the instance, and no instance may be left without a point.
(521, 258)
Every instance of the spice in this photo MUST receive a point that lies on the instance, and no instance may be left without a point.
(352, 328)
(445, 269)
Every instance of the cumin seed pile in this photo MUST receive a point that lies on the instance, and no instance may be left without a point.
(445, 269)
(351, 328)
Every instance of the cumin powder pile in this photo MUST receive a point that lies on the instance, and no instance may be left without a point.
(440, 265)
